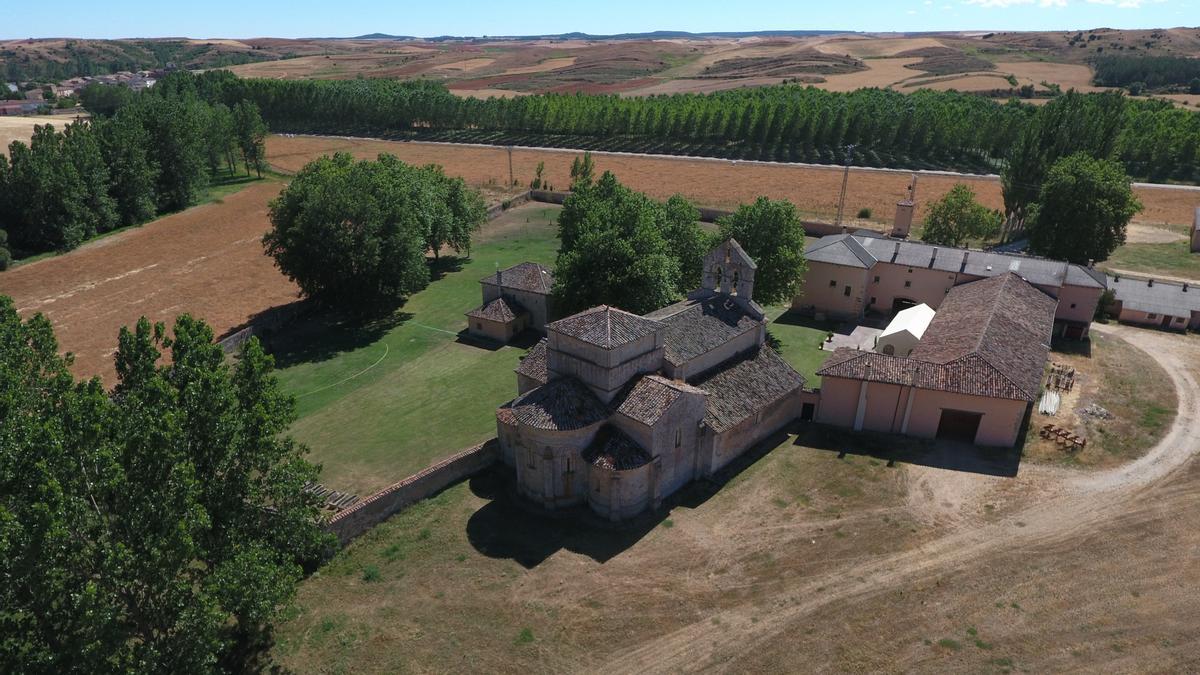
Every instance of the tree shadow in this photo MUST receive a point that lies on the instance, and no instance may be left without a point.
(443, 265)
(794, 318)
(324, 334)
(1061, 345)
(937, 454)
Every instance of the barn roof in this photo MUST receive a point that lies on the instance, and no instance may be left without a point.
(1157, 297)
(989, 338)
(497, 310)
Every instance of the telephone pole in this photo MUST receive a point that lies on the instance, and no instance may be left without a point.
(845, 181)
(510, 170)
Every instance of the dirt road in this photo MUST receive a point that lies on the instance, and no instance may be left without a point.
(1061, 520)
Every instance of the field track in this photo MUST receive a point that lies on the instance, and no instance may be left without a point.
(207, 261)
(709, 182)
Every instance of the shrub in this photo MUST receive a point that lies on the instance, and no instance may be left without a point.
(524, 637)
(370, 573)
(864, 213)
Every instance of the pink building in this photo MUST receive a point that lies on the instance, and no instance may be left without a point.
(972, 377)
(850, 275)
(1161, 304)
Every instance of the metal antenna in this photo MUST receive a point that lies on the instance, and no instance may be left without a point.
(845, 180)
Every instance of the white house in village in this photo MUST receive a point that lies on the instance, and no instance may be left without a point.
(905, 331)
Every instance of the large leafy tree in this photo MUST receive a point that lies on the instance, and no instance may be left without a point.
(158, 528)
(1082, 210)
(355, 233)
(957, 218)
(621, 248)
(771, 233)
(250, 132)
(133, 169)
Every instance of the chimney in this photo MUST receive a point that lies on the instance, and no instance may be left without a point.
(896, 252)
(933, 258)
(1150, 283)
(1185, 286)
(1091, 264)
(498, 279)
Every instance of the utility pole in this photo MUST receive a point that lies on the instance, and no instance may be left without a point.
(845, 180)
(510, 170)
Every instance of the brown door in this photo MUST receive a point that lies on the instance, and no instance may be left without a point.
(1166, 321)
(959, 425)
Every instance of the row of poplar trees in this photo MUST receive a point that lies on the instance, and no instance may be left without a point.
(154, 153)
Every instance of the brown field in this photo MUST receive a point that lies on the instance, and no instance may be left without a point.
(1067, 75)
(207, 261)
(21, 128)
(872, 48)
(804, 561)
(715, 183)
(548, 64)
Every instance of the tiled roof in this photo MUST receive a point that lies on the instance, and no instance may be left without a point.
(527, 276)
(989, 338)
(533, 364)
(615, 451)
(865, 251)
(647, 398)
(746, 386)
(694, 327)
(497, 310)
(605, 326)
(1158, 298)
(562, 405)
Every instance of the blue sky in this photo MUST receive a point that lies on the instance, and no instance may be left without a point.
(302, 18)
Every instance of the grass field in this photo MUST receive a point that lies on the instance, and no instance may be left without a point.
(381, 402)
(1171, 259)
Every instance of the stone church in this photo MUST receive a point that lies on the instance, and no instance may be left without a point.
(618, 411)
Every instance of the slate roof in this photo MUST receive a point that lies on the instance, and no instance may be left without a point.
(606, 327)
(865, 251)
(695, 327)
(746, 386)
(647, 398)
(497, 310)
(989, 338)
(533, 364)
(1160, 298)
(615, 451)
(565, 404)
(527, 276)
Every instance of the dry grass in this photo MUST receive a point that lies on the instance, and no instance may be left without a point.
(715, 183)
(21, 129)
(544, 66)
(207, 261)
(1123, 380)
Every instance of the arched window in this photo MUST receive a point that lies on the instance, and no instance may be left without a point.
(678, 437)
(737, 277)
(720, 275)
(890, 350)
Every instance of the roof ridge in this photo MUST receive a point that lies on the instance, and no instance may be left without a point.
(999, 371)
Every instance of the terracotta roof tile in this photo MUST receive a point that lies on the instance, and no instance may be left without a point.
(647, 398)
(527, 276)
(694, 327)
(497, 310)
(746, 386)
(565, 404)
(615, 451)
(605, 326)
(533, 364)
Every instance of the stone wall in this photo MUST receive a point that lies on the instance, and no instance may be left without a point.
(380, 506)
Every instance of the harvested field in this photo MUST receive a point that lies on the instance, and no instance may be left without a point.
(1066, 75)
(701, 85)
(865, 47)
(21, 129)
(466, 65)
(966, 82)
(207, 261)
(808, 62)
(879, 73)
(715, 183)
(544, 66)
(947, 60)
(487, 93)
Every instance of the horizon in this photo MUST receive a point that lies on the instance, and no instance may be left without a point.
(224, 19)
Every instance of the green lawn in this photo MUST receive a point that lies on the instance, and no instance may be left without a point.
(798, 338)
(381, 402)
(1172, 259)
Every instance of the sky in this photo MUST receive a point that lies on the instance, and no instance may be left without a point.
(345, 18)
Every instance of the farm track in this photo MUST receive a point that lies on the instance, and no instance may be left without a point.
(1065, 509)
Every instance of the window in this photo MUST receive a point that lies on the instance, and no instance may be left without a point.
(877, 278)
(530, 460)
(1179, 319)
(908, 283)
(846, 292)
(872, 301)
(1072, 305)
(833, 283)
(678, 437)
(910, 270)
(478, 325)
(890, 350)
(1151, 316)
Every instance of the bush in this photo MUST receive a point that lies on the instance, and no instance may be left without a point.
(524, 637)
(864, 213)
(370, 573)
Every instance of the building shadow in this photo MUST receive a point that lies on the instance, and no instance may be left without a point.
(938, 454)
(508, 527)
(1061, 345)
(324, 334)
(794, 318)
(523, 340)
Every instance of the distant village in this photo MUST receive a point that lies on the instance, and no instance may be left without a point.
(33, 98)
